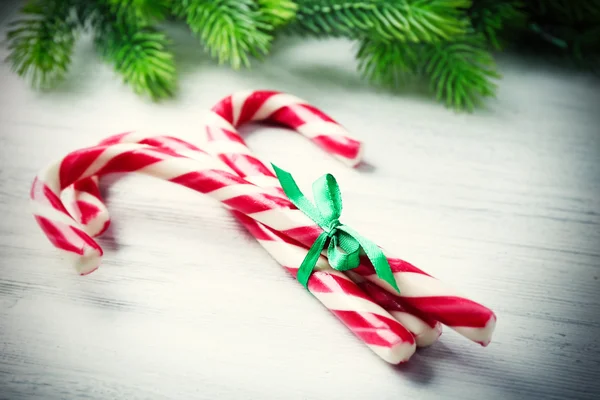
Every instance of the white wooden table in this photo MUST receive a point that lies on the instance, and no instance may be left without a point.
(502, 204)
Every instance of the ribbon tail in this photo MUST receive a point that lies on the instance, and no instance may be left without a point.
(310, 261)
(375, 254)
(293, 192)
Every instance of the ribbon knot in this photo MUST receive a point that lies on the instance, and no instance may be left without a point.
(344, 244)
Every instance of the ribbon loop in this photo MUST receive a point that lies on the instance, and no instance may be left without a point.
(345, 244)
(328, 197)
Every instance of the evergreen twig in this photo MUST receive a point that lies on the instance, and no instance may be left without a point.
(383, 20)
(231, 30)
(41, 43)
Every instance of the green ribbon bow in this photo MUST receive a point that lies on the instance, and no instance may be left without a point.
(345, 243)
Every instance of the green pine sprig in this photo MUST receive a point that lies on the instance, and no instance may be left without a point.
(141, 56)
(460, 72)
(277, 13)
(139, 12)
(383, 20)
(41, 42)
(232, 31)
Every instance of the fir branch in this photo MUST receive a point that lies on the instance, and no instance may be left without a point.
(495, 19)
(383, 20)
(139, 12)
(459, 72)
(140, 56)
(231, 30)
(41, 43)
(277, 13)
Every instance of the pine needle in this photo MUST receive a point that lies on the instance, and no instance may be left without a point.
(382, 20)
(231, 30)
(277, 13)
(460, 72)
(41, 43)
(141, 57)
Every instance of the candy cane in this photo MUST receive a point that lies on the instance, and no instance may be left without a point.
(273, 106)
(418, 289)
(372, 324)
(424, 330)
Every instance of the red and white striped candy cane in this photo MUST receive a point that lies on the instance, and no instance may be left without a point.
(83, 199)
(419, 290)
(372, 324)
(423, 329)
(288, 110)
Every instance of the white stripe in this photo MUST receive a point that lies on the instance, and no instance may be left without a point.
(412, 284)
(345, 302)
(282, 219)
(263, 181)
(482, 335)
(231, 191)
(237, 102)
(227, 147)
(414, 324)
(322, 128)
(274, 103)
(213, 119)
(306, 114)
(399, 353)
(51, 213)
(173, 167)
(108, 154)
(87, 262)
(138, 136)
(291, 256)
(50, 176)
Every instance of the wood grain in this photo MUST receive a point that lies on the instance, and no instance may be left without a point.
(503, 204)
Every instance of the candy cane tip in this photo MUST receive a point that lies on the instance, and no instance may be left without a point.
(482, 335)
(87, 263)
(429, 337)
(398, 354)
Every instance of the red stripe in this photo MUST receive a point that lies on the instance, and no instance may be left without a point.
(249, 204)
(252, 104)
(452, 311)
(286, 116)
(88, 185)
(245, 165)
(87, 211)
(305, 234)
(261, 232)
(208, 180)
(324, 282)
(392, 302)
(57, 238)
(225, 109)
(396, 265)
(87, 239)
(171, 143)
(114, 139)
(76, 163)
(342, 145)
(54, 200)
(215, 134)
(318, 113)
(375, 329)
(129, 161)
(55, 235)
